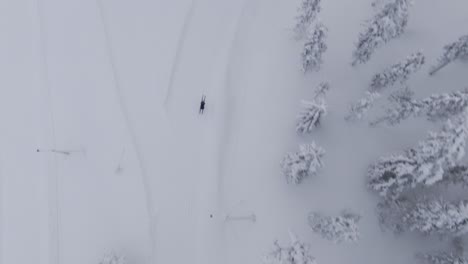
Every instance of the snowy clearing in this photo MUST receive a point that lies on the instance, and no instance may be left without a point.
(103, 146)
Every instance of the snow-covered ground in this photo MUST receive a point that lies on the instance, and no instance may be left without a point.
(118, 83)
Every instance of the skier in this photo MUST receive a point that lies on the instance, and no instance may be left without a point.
(202, 104)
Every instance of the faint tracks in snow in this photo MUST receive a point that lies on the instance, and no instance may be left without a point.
(152, 214)
(215, 134)
(180, 44)
(53, 180)
(226, 118)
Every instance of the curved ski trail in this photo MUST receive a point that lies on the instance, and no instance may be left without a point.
(208, 43)
(180, 44)
(150, 207)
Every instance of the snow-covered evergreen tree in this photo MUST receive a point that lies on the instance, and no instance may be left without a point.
(310, 116)
(403, 93)
(342, 228)
(321, 90)
(441, 151)
(296, 253)
(308, 12)
(313, 111)
(453, 51)
(358, 110)
(399, 72)
(388, 24)
(113, 258)
(402, 106)
(438, 217)
(436, 107)
(443, 106)
(389, 176)
(390, 213)
(441, 258)
(456, 175)
(314, 48)
(425, 164)
(304, 163)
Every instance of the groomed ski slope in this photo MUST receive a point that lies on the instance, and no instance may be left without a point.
(118, 85)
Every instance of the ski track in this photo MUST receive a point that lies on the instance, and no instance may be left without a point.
(223, 125)
(53, 182)
(180, 44)
(210, 128)
(152, 215)
(219, 132)
(227, 80)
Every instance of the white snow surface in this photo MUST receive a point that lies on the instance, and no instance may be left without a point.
(118, 84)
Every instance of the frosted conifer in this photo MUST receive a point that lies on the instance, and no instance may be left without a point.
(313, 111)
(436, 107)
(113, 258)
(308, 12)
(390, 213)
(296, 253)
(321, 90)
(304, 163)
(456, 175)
(389, 176)
(359, 110)
(342, 228)
(426, 164)
(310, 116)
(442, 258)
(397, 73)
(444, 106)
(314, 48)
(388, 24)
(438, 217)
(453, 51)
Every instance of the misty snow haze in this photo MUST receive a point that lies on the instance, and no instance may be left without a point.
(233, 131)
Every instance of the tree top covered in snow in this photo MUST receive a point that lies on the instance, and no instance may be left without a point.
(114, 258)
(303, 163)
(295, 253)
(308, 12)
(321, 90)
(342, 228)
(359, 109)
(314, 48)
(425, 164)
(313, 111)
(437, 107)
(386, 25)
(456, 175)
(441, 258)
(453, 51)
(309, 118)
(399, 72)
(438, 217)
